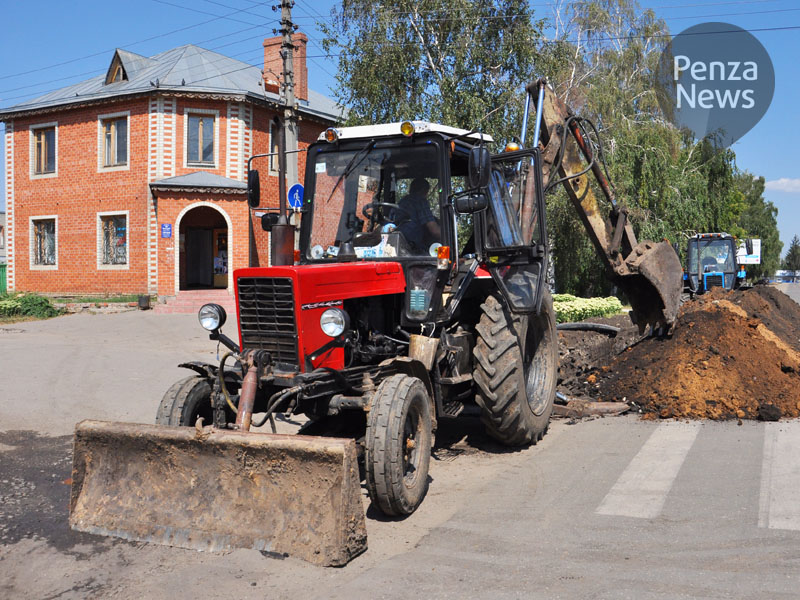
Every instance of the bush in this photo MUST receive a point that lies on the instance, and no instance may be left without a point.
(27, 305)
(569, 308)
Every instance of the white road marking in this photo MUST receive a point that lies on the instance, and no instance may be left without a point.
(642, 488)
(779, 502)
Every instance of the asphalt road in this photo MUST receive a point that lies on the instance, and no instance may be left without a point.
(606, 508)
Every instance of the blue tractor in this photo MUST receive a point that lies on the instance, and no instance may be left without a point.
(715, 260)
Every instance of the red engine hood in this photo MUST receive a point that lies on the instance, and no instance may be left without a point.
(318, 287)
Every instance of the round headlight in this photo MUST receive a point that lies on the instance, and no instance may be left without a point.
(211, 316)
(333, 322)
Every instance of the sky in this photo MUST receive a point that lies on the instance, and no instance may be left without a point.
(46, 45)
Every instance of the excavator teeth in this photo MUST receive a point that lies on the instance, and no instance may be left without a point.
(653, 285)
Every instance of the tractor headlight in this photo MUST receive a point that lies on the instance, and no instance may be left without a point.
(334, 321)
(211, 316)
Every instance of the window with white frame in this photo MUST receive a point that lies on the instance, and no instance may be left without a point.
(112, 240)
(43, 149)
(113, 140)
(2, 237)
(200, 138)
(44, 249)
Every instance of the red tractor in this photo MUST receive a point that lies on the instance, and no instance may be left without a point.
(417, 294)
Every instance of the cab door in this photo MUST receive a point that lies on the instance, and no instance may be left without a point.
(514, 230)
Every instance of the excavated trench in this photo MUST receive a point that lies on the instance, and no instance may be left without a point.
(732, 355)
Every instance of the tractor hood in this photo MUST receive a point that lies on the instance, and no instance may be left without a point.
(279, 308)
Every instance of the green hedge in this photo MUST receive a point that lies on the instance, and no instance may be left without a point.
(27, 305)
(570, 308)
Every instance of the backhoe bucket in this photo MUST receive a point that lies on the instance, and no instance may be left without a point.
(654, 285)
(215, 489)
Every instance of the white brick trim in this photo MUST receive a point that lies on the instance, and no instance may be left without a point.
(200, 111)
(101, 168)
(32, 266)
(32, 147)
(176, 232)
(114, 213)
(10, 242)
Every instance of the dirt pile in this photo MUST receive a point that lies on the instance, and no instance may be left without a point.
(731, 355)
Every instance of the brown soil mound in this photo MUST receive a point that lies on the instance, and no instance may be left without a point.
(731, 355)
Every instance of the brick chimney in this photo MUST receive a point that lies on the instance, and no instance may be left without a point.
(273, 65)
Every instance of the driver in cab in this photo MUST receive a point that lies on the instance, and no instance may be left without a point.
(419, 225)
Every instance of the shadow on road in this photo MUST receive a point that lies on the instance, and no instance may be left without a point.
(34, 493)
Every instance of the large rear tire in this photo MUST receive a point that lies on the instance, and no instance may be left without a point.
(516, 367)
(398, 445)
(185, 401)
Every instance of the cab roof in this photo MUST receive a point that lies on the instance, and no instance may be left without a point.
(393, 129)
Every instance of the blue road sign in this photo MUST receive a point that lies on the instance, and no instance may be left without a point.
(295, 196)
(166, 230)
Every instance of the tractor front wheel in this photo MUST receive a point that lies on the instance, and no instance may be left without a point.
(398, 445)
(516, 367)
(185, 401)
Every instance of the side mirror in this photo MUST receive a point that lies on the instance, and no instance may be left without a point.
(253, 189)
(468, 204)
(748, 244)
(268, 220)
(479, 167)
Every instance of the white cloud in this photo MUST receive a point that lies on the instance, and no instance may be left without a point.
(784, 184)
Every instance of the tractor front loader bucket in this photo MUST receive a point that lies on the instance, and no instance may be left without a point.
(210, 489)
(653, 285)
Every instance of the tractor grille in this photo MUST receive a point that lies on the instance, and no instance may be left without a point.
(266, 313)
(713, 281)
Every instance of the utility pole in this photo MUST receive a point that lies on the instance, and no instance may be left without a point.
(287, 29)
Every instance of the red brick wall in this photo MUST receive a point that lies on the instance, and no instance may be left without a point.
(76, 195)
(79, 192)
(173, 205)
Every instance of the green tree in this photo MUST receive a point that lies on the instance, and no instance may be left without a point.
(792, 260)
(448, 61)
(759, 219)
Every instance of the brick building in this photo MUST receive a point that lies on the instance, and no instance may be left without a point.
(134, 182)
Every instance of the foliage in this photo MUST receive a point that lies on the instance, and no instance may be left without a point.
(569, 308)
(792, 260)
(759, 219)
(30, 305)
(448, 61)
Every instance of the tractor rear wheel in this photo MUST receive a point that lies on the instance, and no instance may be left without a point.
(185, 401)
(516, 367)
(398, 445)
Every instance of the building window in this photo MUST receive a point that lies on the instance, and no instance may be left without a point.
(273, 148)
(200, 139)
(43, 151)
(115, 142)
(112, 240)
(44, 240)
(2, 237)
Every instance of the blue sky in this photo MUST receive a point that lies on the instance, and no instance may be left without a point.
(50, 44)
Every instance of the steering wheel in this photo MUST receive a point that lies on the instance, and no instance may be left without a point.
(374, 205)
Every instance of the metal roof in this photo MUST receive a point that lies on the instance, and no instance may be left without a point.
(393, 129)
(201, 179)
(186, 69)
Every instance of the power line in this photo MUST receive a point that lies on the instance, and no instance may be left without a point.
(155, 37)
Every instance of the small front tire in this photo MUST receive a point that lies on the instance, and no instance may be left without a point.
(398, 445)
(185, 401)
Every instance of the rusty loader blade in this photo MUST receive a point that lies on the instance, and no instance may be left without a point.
(653, 285)
(216, 489)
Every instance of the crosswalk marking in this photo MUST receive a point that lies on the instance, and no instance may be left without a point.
(779, 502)
(642, 488)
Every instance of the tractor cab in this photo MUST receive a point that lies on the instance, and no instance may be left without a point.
(430, 198)
(710, 262)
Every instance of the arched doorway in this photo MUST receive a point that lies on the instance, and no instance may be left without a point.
(204, 248)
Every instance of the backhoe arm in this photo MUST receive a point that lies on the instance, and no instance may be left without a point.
(649, 273)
